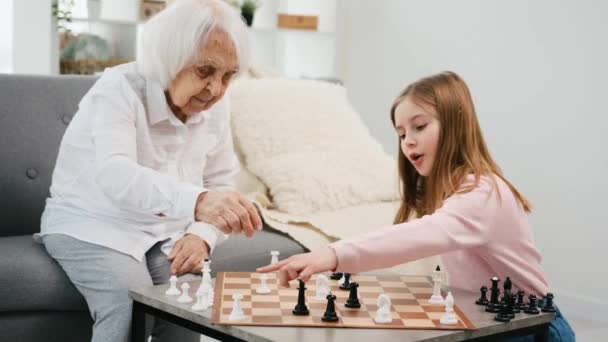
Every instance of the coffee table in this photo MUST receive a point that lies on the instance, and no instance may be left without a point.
(153, 301)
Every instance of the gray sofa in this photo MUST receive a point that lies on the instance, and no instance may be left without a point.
(37, 300)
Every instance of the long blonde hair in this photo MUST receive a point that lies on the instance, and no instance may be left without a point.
(461, 148)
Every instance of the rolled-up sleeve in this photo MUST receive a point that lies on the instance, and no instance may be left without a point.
(207, 232)
(124, 181)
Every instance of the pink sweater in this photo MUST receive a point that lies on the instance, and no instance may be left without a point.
(478, 235)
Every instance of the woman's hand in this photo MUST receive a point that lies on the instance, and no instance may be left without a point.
(230, 212)
(303, 266)
(187, 255)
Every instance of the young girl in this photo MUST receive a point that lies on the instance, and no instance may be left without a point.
(455, 203)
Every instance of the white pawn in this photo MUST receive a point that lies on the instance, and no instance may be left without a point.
(237, 313)
(201, 304)
(274, 259)
(206, 271)
(383, 315)
(263, 288)
(436, 298)
(322, 287)
(185, 297)
(449, 317)
(173, 291)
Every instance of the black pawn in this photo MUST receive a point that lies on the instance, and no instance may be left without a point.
(549, 303)
(503, 314)
(532, 309)
(353, 298)
(483, 299)
(513, 309)
(336, 276)
(330, 312)
(301, 309)
(520, 300)
(346, 284)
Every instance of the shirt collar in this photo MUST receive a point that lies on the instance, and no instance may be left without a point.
(159, 109)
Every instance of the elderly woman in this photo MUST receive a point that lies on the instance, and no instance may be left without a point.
(142, 188)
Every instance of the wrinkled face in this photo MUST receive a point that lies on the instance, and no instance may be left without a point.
(200, 86)
(418, 129)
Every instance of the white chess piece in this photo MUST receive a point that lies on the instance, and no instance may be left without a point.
(383, 315)
(436, 298)
(202, 303)
(321, 287)
(274, 259)
(263, 288)
(173, 291)
(449, 317)
(185, 297)
(206, 270)
(237, 313)
(342, 280)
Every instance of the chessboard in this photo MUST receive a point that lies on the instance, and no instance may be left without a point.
(409, 296)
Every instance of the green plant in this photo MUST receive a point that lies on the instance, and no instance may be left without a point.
(249, 6)
(61, 10)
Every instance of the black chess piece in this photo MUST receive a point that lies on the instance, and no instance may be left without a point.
(507, 285)
(532, 309)
(346, 284)
(353, 299)
(336, 275)
(548, 307)
(483, 298)
(330, 312)
(301, 309)
(437, 269)
(503, 314)
(520, 300)
(514, 307)
(494, 305)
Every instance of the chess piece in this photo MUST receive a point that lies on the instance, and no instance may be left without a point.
(383, 314)
(503, 314)
(509, 301)
(436, 298)
(274, 257)
(353, 300)
(263, 287)
(185, 297)
(330, 312)
(514, 307)
(507, 285)
(494, 305)
(206, 271)
(321, 287)
(201, 302)
(483, 298)
(520, 300)
(346, 284)
(301, 309)
(449, 317)
(532, 309)
(173, 291)
(237, 313)
(336, 276)
(548, 307)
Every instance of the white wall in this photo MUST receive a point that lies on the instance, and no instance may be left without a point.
(538, 71)
(6, 36)
(32, 49)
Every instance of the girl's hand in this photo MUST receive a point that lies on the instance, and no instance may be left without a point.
(303, 266)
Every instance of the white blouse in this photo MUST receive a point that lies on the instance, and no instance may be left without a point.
(129, 172)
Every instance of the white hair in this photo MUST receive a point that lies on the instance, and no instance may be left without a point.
(172, 39)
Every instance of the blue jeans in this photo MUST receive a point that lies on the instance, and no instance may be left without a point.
(559, 331)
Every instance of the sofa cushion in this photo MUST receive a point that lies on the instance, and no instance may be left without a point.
(304, 140)
(35, 112)
(31, 280)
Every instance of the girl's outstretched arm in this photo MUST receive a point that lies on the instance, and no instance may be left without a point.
(303, 266)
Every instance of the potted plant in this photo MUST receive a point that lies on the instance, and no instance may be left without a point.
(248, 8)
